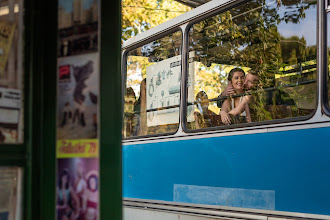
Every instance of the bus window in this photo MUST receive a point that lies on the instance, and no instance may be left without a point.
(328, 75)
(255, 62)
(152, 95)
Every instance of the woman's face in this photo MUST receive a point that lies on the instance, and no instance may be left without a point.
(92, 182)
(64, 179)
(238, 81)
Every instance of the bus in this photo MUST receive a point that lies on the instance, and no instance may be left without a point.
(226, 113)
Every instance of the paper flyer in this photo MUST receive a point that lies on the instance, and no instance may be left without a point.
(77, 192)
(77, 148)
(77, 27)
(78, 91)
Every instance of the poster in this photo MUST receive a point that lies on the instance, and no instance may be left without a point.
(77, 147)
(77, 193)
(78, 27)
(78, 80)
(163, 91)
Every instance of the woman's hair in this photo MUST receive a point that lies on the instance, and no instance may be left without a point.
(65, 172)
(96, 182)
(231, 73)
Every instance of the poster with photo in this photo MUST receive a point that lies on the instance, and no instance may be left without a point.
(77, 27)
(77, 192)
(78, 91)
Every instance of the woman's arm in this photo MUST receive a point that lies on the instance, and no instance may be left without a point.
(77, 202)
(247, 111)
(241, 106)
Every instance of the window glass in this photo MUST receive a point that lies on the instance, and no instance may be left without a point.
(11, 72)
(152, 89)
(328, 75)
(255, 62)
(11, 192)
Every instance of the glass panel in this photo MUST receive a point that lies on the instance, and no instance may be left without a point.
(255, 62)
(328, 75)
(11, 72)
(152, 94)
(11, 192)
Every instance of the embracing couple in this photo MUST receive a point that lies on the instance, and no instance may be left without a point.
(235, 109)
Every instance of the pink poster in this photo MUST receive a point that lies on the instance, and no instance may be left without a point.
(77, 192)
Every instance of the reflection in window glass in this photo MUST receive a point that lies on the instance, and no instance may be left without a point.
(11, 192)
(152, 94)
(255, 62)
(11, 74)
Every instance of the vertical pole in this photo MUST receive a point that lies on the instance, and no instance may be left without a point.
(110, 112)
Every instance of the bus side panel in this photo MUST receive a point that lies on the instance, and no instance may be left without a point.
(283, 171)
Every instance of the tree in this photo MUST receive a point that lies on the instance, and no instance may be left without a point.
(141, 15)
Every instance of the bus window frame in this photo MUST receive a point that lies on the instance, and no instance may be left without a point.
(124, 76)
(324, 56)
(184, 122)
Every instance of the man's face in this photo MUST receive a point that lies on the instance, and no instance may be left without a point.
(251, 81)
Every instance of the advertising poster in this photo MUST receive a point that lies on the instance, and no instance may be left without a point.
(78, 80)
(77, 27)
(77, 148)
(77, 189)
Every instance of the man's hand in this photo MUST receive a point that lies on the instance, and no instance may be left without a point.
(228, 91)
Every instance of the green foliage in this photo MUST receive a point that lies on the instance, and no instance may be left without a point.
(141, 15)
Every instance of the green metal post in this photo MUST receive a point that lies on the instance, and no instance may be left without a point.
(111, 113)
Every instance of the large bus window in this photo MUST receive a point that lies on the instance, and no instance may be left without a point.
(328, 43)
(152, 89)
(255, 62)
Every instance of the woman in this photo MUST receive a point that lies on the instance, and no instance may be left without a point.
(67, 201)
(92, 195)
(236, 78)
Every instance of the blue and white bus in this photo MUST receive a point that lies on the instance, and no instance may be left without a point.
(186, 156)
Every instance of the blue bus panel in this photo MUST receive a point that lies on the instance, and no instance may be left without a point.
(282, 171)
